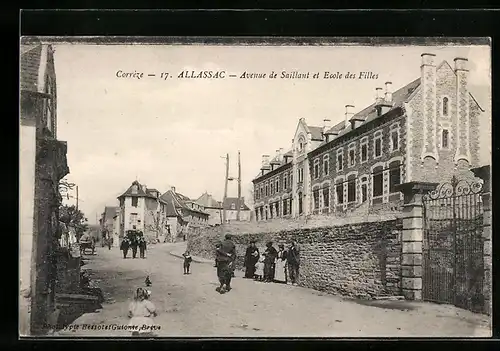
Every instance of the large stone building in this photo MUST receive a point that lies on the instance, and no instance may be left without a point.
(428, 130)
(42, 165)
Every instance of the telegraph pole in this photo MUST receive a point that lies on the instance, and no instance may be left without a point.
(77, 198)
(225, 190)
(238, 203)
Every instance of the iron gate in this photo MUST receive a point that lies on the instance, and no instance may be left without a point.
(453, 266)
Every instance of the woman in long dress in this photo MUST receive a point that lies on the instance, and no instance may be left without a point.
(281, 274)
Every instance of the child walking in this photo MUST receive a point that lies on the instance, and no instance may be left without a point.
(141, 312)
(259, 269)
(187, 261)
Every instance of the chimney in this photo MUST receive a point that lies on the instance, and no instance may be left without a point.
(388, 92)
(381, 105)
(144, 187)
(327, 124)
(348, 114)
(265, 161)
(173, 189)
(379, 99)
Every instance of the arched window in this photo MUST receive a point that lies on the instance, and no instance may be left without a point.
(445, 106)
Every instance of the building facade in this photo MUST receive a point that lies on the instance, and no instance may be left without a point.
(43, 164)
(142, 209)
(212, 207)
(231, 207)
(427, 130)
(182, 213)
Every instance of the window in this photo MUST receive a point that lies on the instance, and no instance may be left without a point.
(133, 219)
(233, 207)
(326, 197)
(272, 187)
(351, 158)
(285, 177)
(300, 175)
(316, 199)
(134, 201)
(340, 193)
(134, 189)
(300, 203)
(378, 182)
(340, 164)
(445, 138)
(285, 209)
(326, 165)
(277, 204)
(364, 189)
(351, 189)
(267, 189)
(352, 154)
(277, 185)
(301, 144)
(378, 147)
(394, 176)
(395, 140)
(364, 153)
(291, 179)
(445, 106)
(316, 169)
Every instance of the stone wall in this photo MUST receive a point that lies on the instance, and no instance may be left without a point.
(358, 259)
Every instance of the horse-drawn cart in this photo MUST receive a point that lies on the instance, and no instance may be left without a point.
(87, 245)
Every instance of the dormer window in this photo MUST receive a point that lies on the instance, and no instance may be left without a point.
(135, 189)
(233, 207)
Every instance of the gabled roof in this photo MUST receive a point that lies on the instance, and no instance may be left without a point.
(109, 212)
(316, 132)
(176, 202)
(369, 113)
(277, 161)
(30, 62)
(229, 201)
(140, 191)
(206, 200)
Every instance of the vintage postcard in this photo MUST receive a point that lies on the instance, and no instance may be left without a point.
(255, 188)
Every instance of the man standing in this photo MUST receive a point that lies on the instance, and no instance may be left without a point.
(293, 261)
(226, 254)
(251, 258)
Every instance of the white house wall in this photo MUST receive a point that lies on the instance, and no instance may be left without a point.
(27, 200)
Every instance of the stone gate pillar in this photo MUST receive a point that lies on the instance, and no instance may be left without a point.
(412, 237)
(484, 174)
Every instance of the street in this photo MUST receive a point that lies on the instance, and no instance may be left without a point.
(188, 305)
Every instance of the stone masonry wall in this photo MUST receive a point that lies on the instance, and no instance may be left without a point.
(357, 260)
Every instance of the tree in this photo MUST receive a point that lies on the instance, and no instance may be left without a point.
(72, 217)
(156, 222)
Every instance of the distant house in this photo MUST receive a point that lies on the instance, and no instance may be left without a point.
(107, 221)
(142, 209)
(212, 207)
(231, 207)
(182, 213)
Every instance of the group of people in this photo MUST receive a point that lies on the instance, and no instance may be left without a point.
(273, 265)
(134, 240)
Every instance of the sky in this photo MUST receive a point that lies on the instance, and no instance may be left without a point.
(176, 132)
